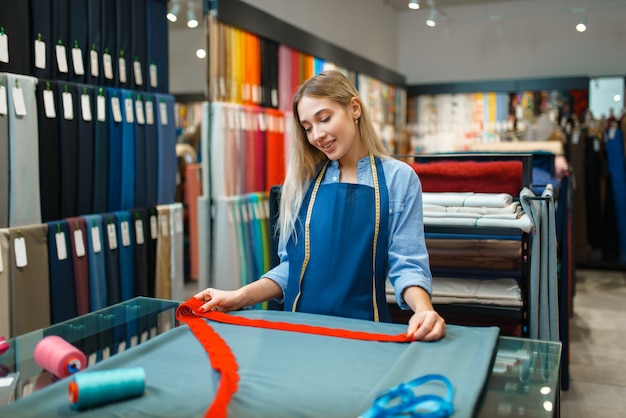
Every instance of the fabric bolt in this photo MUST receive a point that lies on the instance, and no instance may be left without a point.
(176, 251)
(50, 150)
(14, 18)
(123, 41)
(168, 165)
(163, 273)
(93, 68)
(108, 47)
(85, 117)
(126, 239)
(30, 284)
(80, 260)
(25, 203)
(140, 183)
(141, 225)
(152, 236)
(77, 39)
(157, 45)
(5, 288)
(95, 242)
(61, 272)
(115, 140)
(151, 155)
(60, 32)
(101, 154)
(110, 246)
(127, 175)
(4, 164)
(68, 135)
(41, 29)
(138, 44)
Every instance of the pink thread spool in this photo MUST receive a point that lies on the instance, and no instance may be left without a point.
(4, 345)
(59, 357)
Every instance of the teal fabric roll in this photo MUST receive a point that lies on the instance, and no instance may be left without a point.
(24, 206)
(97, 263)
(287, 374)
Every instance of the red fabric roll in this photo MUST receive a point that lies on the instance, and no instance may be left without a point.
(80, 260)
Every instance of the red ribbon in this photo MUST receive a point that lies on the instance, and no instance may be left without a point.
(222, 358)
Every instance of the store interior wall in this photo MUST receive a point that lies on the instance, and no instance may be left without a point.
(469, 47)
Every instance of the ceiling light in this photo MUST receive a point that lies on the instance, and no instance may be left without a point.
(581, 26)
(201, 53)
(192, 22)
(414, 4)
(432, 16)
(172, 15)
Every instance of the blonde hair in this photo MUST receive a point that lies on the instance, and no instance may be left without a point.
(304, 159)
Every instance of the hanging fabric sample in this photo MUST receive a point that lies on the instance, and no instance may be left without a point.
(115, 127)
(157, 46)
(60, 28)
(85, 120)
(101, 151)
(141, 229)
(80, 260)
(163, 273)
(125, 234)
(151, 155)
(123, 44)
(77, 40)
(226, 265)
(50, 149)
(15, 52)
(68, 136)
(110, 244)
(93, 54)
(95, 242)
(152, 239)
(127, 175)
(29, 284)
(140, 183)
(61, 272)
(177, 273)
(168, 165)
(138, 40)
(40, 40)
(109, 47)
(25, 206)
(5, 289)
(4, 154)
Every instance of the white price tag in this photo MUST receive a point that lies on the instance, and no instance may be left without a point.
(3, 100)
(61, 58)
(154, 229)
(96, 242)
(40, 54)
(21, 260)
(93, 60)
(85, 105)
(48, 104)
(122, 70)
(139, 238)
(68, 106)
(108, 66)
(112, 234)
(128, 105)
(138, 74)
(125, 233)
(165, 225)
(149, 112)
(101, 109)
(79, 243)
(117, 112)
(59, 238)
(139, 112)
(178, 220)
(154, 79)
(77, 60)
(163, 113)
(4, 48)
(18, 101)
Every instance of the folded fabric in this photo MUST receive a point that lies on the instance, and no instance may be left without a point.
(510, 208)
(523, 222)
(490, 200)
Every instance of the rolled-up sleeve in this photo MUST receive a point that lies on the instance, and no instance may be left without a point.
(408, 255)
(280, 273)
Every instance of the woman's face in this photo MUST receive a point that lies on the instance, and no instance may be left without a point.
(330, 127)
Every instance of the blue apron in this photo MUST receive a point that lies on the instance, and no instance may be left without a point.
(338, 253)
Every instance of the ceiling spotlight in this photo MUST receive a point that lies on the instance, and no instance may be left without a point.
(582, 24)
(172, 15)
(201, 53)
(192, 22)
(432, 16)
(414, 4)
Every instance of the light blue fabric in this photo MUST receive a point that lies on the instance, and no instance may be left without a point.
(97, 264)
(408, 256)
(285, 374)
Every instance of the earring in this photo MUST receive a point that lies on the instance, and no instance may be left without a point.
(356, 121)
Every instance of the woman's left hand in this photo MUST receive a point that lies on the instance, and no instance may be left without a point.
(426, 325)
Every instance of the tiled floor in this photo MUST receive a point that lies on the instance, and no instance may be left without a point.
(598, 347)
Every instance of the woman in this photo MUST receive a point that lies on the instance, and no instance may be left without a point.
(350, 217)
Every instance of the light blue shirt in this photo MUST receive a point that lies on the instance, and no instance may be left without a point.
(407, 256)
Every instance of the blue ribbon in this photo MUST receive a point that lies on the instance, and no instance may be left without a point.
(401, 400)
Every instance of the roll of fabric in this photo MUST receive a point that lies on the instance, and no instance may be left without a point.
(163, 274)
(61, 272)
(101, 152)
(176, 251)
(151, 155)
(41, 31)
(157, 46)
(138, 41)
(110, 245)
(78, 48)
(50, 149)
(141, 228)
(80, 261)
(141, 169)
(60, 28)
(123, 42)
(115, 128)
(109, 47)
(25, 203)
(93, 54)
(68, 136)
(126, 238)
(152, 239)
(5, 288)
(14, 18)
(4, 164)
(95, 241)
(168, 165)
(127, 183)
(30, 285)
(85, 118)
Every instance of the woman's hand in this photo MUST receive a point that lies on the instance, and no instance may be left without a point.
(219, 300)
(426, 326)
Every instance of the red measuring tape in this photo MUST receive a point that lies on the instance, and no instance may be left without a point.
(222, 358)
